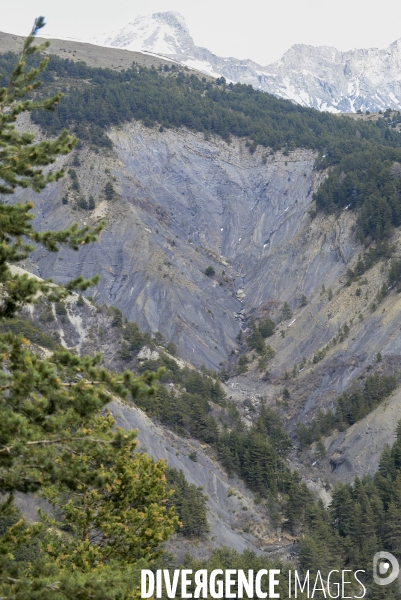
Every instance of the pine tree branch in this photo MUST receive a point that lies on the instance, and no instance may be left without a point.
(66, 384)
(9, 449)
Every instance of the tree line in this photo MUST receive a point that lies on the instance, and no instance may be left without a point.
(350, 407)
(363, 518)
(364, 158)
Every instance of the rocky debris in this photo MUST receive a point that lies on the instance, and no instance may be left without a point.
(240, 295)
(147, 354)
(184, 190)
(247, 402)
(242, 319)
(337, 459)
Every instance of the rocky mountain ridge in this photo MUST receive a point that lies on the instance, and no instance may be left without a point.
(320, 77)
(160, 237)
(236, 519)
(266, 246)
(183, 203)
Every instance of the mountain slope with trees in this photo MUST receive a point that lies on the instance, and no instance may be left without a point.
(53, 440)
(321, 77)
(179, 99)
(55, 401)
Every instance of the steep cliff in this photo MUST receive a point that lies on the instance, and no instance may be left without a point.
(182, 204)
(236, 517)
(203, 235)
(205, 241)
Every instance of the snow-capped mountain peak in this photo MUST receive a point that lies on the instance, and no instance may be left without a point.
(321, 77)
(162, 33)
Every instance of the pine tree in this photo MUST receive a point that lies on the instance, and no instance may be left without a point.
(386, 464)
(266, 327)
(286, 312)
(320, 448)
(82, 203)
(392, 536)
(109, 191)
(114, 507)
(52, 441)
(342, 509)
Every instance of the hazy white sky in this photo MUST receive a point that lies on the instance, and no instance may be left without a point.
(258, 29)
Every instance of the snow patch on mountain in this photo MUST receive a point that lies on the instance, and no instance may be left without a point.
(161, 33)
(204, 67)
(320, 77)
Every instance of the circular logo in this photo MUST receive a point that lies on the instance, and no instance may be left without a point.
(382, 561)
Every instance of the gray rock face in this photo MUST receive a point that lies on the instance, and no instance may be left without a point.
(356, 452)
(184, 204)
(226, 497)
(327, 79)
(321, 77)
(234, 518)
(147, 354)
